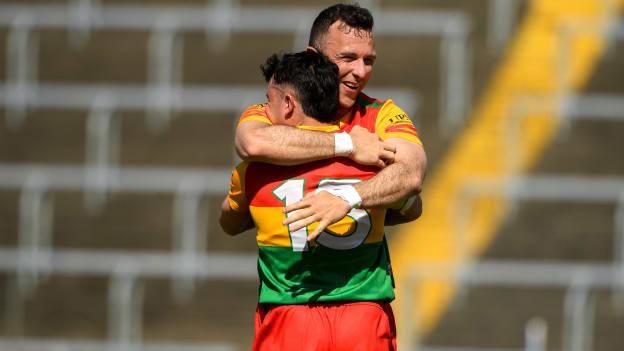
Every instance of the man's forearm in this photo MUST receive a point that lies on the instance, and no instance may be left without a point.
(390, 185)
(284, 145)
(395, 182)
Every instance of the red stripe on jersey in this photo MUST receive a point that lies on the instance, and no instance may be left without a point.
(266, 178)
(409, 132)
(255, 110)
(401, 128)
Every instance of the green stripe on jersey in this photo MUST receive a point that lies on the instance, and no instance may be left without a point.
(363, 102)
(323, 274)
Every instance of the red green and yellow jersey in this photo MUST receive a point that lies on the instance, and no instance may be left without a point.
(350, 261)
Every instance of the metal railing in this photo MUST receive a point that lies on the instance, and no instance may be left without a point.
(502, 16)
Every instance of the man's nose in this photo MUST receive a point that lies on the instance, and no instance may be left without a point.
(359, 68)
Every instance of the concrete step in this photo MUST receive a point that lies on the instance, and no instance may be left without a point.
(609, 74)
(108, 56)
(9, 217)
(218, 311)
(568, 230)
(495, 317)
(609, 321)
(121, 56)
(61, 307)
(560, 231)
(45, 137)
(586, 148)
(127, 221)
(133, 221)
(193, 139)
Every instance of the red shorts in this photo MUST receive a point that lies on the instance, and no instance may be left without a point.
(350, 326)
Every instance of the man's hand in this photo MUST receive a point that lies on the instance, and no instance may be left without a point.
(368, 149)
(321, 207)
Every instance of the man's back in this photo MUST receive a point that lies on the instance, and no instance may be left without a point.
(350, 262)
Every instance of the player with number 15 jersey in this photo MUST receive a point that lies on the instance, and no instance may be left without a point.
(350, 261)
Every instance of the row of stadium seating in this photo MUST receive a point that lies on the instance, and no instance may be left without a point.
(97, 216)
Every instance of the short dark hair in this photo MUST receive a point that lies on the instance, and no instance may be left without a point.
(352, 15)
(313, 77)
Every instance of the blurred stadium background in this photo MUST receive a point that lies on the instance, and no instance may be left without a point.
(116, 143)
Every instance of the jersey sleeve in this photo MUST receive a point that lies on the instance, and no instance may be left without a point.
(255, 112)
(393, 122)
(236, 197)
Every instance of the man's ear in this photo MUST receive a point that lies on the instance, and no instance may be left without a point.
(311, 49)
(289, 105)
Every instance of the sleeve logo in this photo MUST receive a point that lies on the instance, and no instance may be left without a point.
(402, 117)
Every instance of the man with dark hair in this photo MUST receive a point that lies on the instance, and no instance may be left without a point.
(334, 293)
(344, 34)
(312, 78)
(350, 17)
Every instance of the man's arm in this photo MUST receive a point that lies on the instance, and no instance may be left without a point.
(234, 222)
(235, 216)
(410, 211)
(401, 179)
(284, 145)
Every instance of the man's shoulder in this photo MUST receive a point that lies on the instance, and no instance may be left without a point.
(255, 109)
(255, 112)
(368, 102)
(368, 110)
(372, 107)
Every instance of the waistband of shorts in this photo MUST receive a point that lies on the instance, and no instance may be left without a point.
(269, 306)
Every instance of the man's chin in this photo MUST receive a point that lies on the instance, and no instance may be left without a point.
(347, 102)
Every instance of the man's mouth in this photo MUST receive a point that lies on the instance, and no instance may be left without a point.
(350, 85)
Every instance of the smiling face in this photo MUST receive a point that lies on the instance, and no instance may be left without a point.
(353, 51)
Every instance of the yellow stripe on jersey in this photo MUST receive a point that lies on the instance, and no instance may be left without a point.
(325, 128)
(271, 230)
(393, 122)
(236, 197)
(269, 224)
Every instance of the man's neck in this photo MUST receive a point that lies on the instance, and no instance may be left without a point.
(310, 121)
(344, 115)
